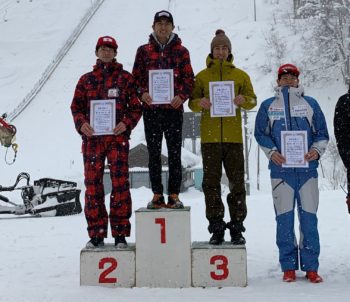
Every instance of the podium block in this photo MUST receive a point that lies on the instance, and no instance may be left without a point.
(163, 248)
(108, 266)
(218, 265)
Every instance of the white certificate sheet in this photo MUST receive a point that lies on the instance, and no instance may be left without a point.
(294, 148)
(161, 86)
(102, 116)
(221, 97)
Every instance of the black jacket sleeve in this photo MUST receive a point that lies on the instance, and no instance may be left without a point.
(341, 124)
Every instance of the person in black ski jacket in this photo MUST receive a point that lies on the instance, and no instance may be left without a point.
(341, 124)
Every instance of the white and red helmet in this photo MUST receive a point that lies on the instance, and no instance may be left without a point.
(288, 69)
(106, 41)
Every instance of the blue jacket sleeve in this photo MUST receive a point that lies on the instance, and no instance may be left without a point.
(262, 131)
(320, 136)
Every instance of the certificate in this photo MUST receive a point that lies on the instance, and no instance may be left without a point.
(294, 148)
(161, 86)
(102, 116)
(221, 96)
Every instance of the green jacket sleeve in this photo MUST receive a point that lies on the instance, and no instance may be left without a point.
(197, 95)
(249, 95)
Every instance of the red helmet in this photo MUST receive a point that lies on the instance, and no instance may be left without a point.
(288, 69)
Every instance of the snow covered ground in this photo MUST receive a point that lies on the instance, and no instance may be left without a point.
(39, 257)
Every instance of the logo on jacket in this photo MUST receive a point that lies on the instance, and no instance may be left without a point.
(113, 93)
(299, 110)
(276, 113)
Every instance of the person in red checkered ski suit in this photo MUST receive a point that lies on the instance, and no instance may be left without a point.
(164, 51)
(107, 81)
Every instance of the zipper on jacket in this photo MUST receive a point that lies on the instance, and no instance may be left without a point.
(290, 113)
(287, 108)
(162, 63)
(104, 80)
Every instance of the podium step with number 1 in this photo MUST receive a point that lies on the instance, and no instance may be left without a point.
(163, 248)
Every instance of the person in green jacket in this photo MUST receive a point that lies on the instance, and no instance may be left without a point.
(222, 141)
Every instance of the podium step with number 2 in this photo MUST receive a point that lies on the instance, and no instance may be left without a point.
(108, 266)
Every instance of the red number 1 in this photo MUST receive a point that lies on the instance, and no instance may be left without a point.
(161, 221)
(222, 267)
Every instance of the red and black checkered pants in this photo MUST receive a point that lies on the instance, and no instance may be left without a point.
(95, 151)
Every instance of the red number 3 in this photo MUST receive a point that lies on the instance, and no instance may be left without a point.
(113, 265)
(221, 266)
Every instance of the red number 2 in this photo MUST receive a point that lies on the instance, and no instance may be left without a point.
(222, 266)
(113, 265)
(161, 221)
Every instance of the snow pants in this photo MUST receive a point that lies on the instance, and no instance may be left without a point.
(229, 155)
(95, 151)
(158, 121)
(300, 189)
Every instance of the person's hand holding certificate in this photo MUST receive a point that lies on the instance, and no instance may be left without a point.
(102, 116)
(161, 86)
(294, 147)
(221, 96)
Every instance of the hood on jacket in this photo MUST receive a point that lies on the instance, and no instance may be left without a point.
(110, 66)
(297, 91)
(210, 61)
(174, 38)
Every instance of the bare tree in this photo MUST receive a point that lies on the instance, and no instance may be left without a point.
(332, 166)
(328, 45)
(275, 49)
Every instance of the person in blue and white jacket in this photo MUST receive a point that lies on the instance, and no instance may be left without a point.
(291, 110)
